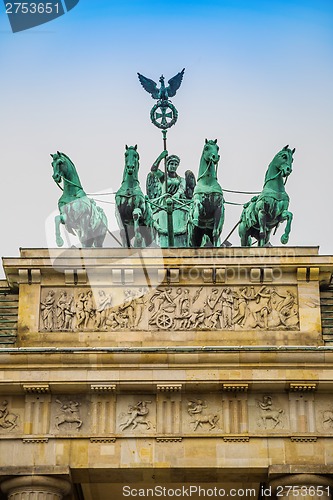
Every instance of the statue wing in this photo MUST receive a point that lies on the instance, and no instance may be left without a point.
(190, 184)
(153, 186)
(174, 83)
(149, 85)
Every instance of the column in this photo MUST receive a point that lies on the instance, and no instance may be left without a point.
(306, 486)
(234, 408)
(36, 488)
(103, 410)
(169, 416)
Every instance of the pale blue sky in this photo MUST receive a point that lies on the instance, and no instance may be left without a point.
(258, 76)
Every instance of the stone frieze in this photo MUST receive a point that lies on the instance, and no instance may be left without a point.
(169, 308)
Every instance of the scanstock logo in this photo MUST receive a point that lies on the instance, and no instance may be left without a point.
(25, 15)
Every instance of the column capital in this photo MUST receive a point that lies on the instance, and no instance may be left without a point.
(53, 487)
(285, 482)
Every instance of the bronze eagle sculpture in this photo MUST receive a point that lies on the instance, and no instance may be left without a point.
(163, 93)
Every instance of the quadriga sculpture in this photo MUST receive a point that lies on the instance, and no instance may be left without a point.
(80, 214)
(266, 211)
(206, 216)
(133, 212)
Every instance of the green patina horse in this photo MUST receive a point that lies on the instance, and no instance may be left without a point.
(266, 211)
(206, 216)
(133, 213)
(80, 214)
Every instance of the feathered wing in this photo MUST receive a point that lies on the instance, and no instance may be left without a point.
(153, 186)
(174, 83)
(149, 85)
(190, 183)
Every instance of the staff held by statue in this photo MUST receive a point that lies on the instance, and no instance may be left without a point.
(163, 115)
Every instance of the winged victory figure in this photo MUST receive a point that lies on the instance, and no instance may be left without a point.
(163, 93)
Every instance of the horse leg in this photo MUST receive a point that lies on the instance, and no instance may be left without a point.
(138, 239)
(244, 235)
(190, 228)
(289, 217)
(218, 224)
(100, 234)
(262, 226)
(58, 220)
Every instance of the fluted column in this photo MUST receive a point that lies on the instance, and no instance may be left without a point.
(304, 486)
(35, 488)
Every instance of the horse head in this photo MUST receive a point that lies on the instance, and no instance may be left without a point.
(131, 162)
(283, 161)
(211, 152)
(57, 165)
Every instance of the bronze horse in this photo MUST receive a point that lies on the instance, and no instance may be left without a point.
(133, 212)
(206, 216)
(266, 211)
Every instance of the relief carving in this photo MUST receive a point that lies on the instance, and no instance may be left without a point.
(8, 420)
(69, 414)
(137, 415)
(171, 308)
(328, 419)
(269, 415)
(195, 409)
(47, 311)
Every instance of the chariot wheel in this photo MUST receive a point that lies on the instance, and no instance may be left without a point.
(164, 321)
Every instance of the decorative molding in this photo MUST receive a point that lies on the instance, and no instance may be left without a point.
(103, 439)
(220, 275)
(129, 276)
(303, 439)
(302, 387)
(301, 273)
(36, 388)
(207, 275)
(35, 439)
(23, 278)
(103, 388)
(69, 277)
(173, 275)
(235, 387)
(234, 439)
(255, 275)
(169, 387)
(164, 439)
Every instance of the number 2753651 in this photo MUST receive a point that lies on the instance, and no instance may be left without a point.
(32, 8)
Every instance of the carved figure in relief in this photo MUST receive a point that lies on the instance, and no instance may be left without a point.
(103, 304)
(227, 307)
(127, 309)
(138, 415)
(89, 308)
(195, 407)
(328, 419)
(241, 297)
(79, 310)
(8, 420)
(70, 414)
(47, 308)
(269, 413)
(285, 308)
(64, 311)
(139, 306)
